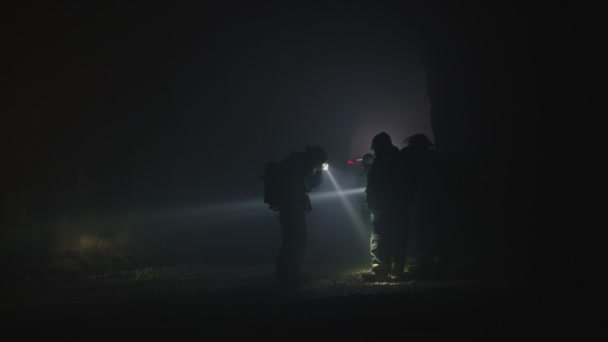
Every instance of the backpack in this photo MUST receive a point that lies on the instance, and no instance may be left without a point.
(273, 184)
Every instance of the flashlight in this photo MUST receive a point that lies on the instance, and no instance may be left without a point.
(325, 166)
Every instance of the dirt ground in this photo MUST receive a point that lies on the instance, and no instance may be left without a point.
(246, 302)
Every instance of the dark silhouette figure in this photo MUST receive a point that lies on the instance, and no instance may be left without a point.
(420, 190)
(383, 200)
(286, 191)
(361, 182)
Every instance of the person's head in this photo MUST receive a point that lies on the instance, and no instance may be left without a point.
(419, 141)
(368, 159)
(317, 157)
(381, 142)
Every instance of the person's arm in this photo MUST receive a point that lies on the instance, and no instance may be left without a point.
(314, 180)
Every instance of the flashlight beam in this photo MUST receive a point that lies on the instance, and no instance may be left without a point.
(352, 213)
(227, 209)
(338, 193)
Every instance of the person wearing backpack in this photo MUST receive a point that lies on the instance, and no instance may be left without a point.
(286, 189)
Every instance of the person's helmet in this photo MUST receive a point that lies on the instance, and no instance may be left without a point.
(368, 159)
(381, 140)
(317, 154)
(419, 141)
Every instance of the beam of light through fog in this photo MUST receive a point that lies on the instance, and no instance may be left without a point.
(350, 210)
(333, 194)
(242, 209)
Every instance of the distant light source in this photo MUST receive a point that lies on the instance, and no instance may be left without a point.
(325, 166)
(350, 162)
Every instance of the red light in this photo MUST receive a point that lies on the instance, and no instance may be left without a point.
(350, 162)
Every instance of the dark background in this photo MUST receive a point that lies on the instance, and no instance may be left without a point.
(124, 114)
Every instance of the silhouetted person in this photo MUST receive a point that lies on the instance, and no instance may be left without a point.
(420, 189)
(361, 182)
(286, 190)
(383, 200)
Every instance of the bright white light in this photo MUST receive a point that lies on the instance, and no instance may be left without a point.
(325, 166)
(334, 194)
(351, 211)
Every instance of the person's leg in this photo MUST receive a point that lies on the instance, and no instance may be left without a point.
(293, 245)
(400, 241)
(425, 241)
(395, 241)
(379, 247)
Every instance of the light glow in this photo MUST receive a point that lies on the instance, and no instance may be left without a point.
(350, 210)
